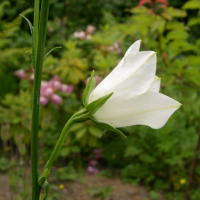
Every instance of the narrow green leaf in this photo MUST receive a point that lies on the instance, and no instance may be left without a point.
(107, 126)
(88, 89)
(29, 23)
(51, 51)
(95, 105)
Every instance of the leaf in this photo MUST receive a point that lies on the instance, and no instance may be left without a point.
(193, 21)
(95, 105)
(89, 88)
(29, 23)
(81, 133)
(106, 126)
(194, 4)
(76, 126)
(177, 34)
(51, 51)
(96, 132)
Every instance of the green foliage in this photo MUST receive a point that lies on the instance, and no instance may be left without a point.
(158, 159)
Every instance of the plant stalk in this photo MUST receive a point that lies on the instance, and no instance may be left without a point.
(39, 44)
(82, 115)
(36, 29)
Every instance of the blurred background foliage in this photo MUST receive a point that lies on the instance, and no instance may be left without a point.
(159, 159)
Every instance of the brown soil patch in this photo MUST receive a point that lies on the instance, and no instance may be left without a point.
(78, 190)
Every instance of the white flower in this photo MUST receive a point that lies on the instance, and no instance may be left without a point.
(136, 98)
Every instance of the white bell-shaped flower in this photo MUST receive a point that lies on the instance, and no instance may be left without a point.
(136, 98)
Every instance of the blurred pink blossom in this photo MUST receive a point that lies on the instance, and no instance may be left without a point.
(56, 99)
(80, 34)
(90, 29)
(44, 84)
(67, 88)
(20, 74)
(56, 85)
(115, 47)
(43, 101)
(92, 170)
(48, 91)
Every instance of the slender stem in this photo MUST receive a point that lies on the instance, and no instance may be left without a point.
(82, 115)
(36, 29)
(36, 95)
(59, 142)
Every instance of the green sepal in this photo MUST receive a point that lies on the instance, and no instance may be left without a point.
(45, 185)
(29, 23)
(88, 89)
(95, 105)
(51, 51)
(106, 126)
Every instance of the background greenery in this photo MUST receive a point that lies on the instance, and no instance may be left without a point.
(159, 159)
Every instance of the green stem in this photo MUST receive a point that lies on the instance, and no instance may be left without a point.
(36, 29)
(82, 115)
(59, 142)
(36, 92)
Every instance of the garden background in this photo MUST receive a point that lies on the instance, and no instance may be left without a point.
(94, 35)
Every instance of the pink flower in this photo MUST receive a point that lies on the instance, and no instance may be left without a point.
(43, 101)
(92, 170)
(56, 99)
(115, 47)
(20, 74)
(80, 34)
(56, 85)
(67, 88)
(90, 29)
(44, 84)
(48, 92)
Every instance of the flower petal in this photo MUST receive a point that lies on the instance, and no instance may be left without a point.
(155, 86)
(133, 78)
(134, 47)
(151, 108)
(112, 76)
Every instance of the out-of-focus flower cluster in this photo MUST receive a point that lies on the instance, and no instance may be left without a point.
(92, 167)
(115, 47)
(49, 89)
(85, 34)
